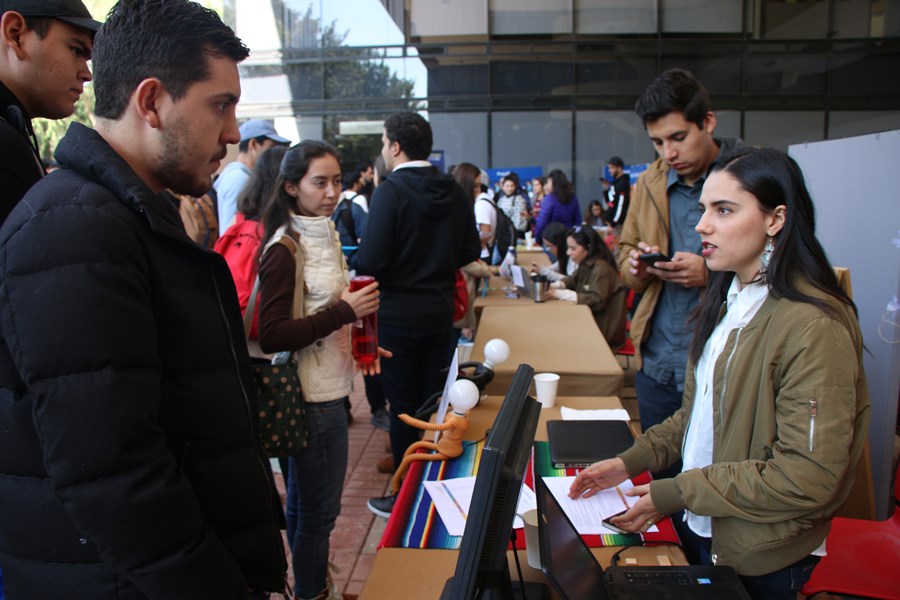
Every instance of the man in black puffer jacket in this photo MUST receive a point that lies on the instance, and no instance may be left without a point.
(130, 466)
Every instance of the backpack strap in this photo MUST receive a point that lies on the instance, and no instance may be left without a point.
(347, 217)
(297, 311)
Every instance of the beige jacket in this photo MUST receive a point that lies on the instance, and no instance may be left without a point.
(647, 221)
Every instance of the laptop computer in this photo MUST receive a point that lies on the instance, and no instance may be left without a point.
(575, 574)
(579, 444)
(527, 287)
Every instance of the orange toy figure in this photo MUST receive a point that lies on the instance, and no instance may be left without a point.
(463, 396)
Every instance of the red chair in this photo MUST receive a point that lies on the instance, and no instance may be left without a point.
(863, 557)
(627, 349)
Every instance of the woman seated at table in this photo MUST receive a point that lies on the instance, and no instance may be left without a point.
(775, 408)
(554, 240)
(595, 284)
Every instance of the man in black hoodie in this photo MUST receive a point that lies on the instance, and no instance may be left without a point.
(421, 229)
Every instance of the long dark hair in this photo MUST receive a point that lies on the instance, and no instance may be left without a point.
(775, 179)
(256, 194)
(589, 213)
(294, 166)
(555, 233)
(562, 189)
(587, 238)
(465, 173)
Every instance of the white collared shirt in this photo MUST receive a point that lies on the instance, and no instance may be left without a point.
(742, 305)
(412, 164)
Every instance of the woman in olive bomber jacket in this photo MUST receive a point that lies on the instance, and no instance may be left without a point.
(781, 383)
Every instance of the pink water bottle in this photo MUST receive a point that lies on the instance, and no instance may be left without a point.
(364, 332)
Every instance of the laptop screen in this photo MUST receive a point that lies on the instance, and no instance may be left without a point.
(575, 573)
(566, 560)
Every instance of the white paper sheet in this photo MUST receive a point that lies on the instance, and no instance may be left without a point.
(603, 414)
(587, 514)
(452, 498)
(518, 276)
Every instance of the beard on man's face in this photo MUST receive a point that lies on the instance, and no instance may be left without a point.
(175, 167)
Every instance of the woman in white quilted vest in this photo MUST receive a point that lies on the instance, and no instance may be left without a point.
(306, 307)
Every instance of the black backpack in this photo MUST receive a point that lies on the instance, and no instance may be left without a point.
(345, 212)
(505, 236)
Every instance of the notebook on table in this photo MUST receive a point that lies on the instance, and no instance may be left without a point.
(578, 444)
(574, 572)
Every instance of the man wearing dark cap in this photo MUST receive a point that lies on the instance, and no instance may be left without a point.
(45, 46)
(256, 136)
(619, 193)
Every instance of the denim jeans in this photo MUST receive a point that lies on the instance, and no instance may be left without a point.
(314, 494)
(783, 584)
(656, 403)
(411, 375)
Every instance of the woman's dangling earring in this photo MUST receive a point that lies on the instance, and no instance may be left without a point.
(766, 256)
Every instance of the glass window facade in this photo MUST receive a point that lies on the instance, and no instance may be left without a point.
(615, 17)
(554, 82)
(702, 16)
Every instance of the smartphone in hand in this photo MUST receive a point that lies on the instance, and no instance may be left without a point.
(615, 528)
(650, 258)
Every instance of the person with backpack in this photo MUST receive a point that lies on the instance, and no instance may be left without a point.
(240, 243)
(350, 216)
(306, 307)
(495, 229)
(513, 204)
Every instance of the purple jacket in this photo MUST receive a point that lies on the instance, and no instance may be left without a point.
(554, 210)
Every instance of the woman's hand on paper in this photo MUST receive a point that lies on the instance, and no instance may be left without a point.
(599, 476)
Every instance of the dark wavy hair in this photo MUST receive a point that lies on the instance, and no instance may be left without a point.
(588, 239)
(562, 189)
(555, 233)
(293, 168)
(588, 214)
(259, 189)
(412, 132)
(775, 179)
(675, 90)
(166, 39)
(465, 173)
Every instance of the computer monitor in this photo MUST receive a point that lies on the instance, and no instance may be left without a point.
(482, 570)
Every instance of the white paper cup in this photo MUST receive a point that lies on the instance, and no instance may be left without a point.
(529, 239)
(545, 385)
(532, 539)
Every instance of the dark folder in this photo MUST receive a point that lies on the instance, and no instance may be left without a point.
(577, 444)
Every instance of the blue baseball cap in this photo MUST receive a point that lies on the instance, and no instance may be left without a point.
(255, 128)
(73, 12)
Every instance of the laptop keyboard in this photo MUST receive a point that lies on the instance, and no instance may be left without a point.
(657, 577)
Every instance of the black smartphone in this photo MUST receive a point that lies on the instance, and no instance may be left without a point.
(653, 257)
(615, 527)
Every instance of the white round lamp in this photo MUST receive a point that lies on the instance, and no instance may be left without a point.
(496, 352)
(464, 396)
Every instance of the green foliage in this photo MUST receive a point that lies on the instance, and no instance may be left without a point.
(50, 131)
(359, 79)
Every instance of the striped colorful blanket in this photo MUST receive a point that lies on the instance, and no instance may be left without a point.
(415, 522)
